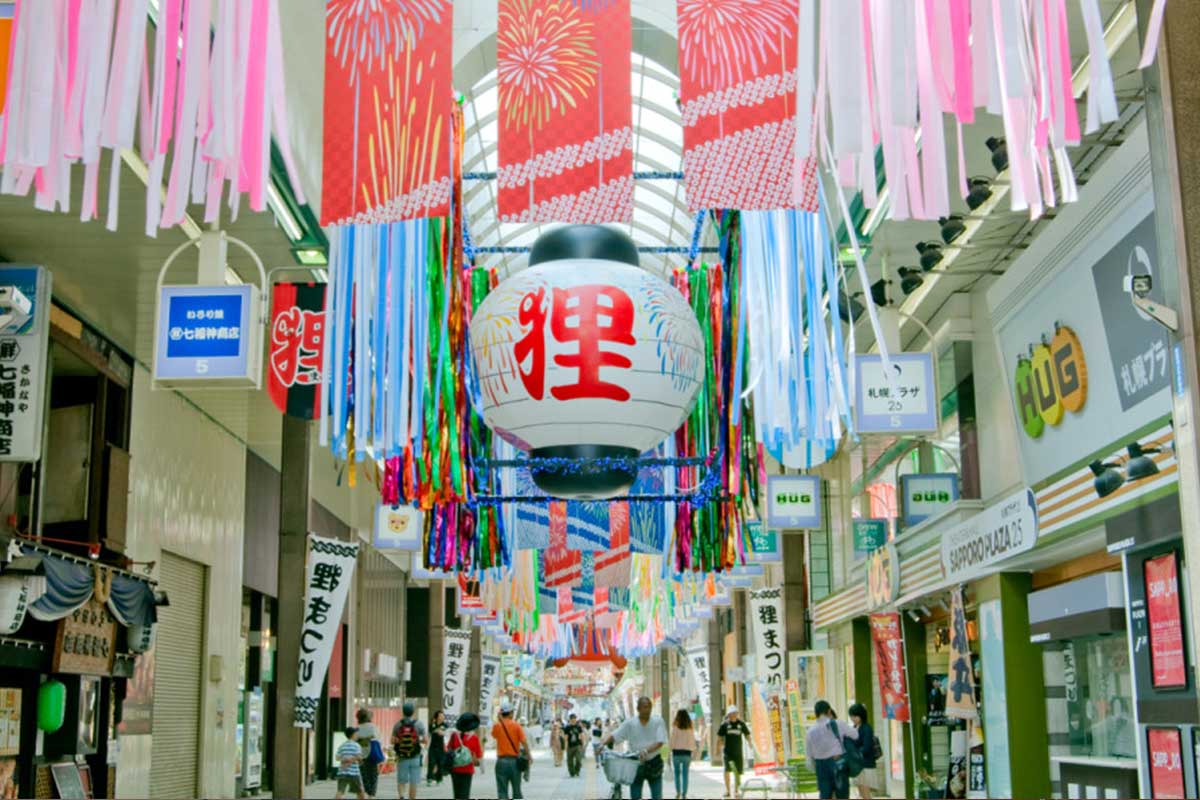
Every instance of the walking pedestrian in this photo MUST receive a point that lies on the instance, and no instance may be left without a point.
(866, 746)
(512, 754)
(732, 735)
(464, 753)
(574, 734)
(408, 739)
(683, 744)
(557, 742)
(349, 775)
(824, 748)
(437, 748)
(372, 752)
(597, 739)
(645, 735)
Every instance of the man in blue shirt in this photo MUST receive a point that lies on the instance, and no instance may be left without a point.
(824, 751)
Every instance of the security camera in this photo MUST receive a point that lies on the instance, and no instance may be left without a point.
(1138, 287)
(15, 309)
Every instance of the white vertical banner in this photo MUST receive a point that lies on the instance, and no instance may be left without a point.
(697, 661)
(330, 570)
(456, 652)
(766, 607)
(489, 681)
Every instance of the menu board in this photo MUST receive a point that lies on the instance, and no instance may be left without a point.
(86, 640)
(1166, 763)
(10, 722)
(1166, 622)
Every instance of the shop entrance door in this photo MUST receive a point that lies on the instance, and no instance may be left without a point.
(178, 655)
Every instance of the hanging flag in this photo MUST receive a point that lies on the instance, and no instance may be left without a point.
(489, 683)
(330, 570)
(297, 348)
(565, 118)
(564, 567)
(388, 105)
(588, 526)
(737, 83)
(456, 656)
(647, 521)
(612, 566)
(888, 641)
(960, 693)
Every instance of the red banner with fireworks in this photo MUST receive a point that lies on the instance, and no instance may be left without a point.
(737, 77)
(297, 348)
(889, 662)
(566, 128)
(388, 99)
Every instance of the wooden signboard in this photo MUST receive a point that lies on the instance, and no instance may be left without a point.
(86, 641)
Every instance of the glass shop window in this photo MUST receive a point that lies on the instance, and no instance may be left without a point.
(1099, 697)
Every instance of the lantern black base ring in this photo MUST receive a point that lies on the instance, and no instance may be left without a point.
(593, 481)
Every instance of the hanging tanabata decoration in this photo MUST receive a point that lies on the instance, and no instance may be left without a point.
(388, 102)
(565, 113)
(80, 81)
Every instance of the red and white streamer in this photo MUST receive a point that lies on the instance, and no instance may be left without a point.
(208, 102)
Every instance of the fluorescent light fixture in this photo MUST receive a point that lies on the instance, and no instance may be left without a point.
(877, 215)
(311, 257)
(283, 214)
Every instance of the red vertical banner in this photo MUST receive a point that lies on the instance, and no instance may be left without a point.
(612, 565)
(564, 567)
(336, 676)
(889, 658)
(1168, 662)
(566, 114)
(388, 103)
(737, 78)
(1166, 763)
(296, 350)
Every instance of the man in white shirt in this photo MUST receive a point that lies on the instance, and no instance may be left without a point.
(646, 736)
(824, 749)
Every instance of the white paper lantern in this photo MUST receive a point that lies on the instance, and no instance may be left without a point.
(585, 354)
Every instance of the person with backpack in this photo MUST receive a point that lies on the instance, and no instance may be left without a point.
(372, 752)
(408, 737)
(869, 747)
(463, 753)
(831, 752)
(349, 774)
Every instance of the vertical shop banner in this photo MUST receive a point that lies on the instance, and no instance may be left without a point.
(760, 729)
(697, 661)
(977, 774)
(24, 340)
(297, 348)
(795, 718)
(489, 683)
(388, 106)
(766, 608)
(330, 570)
(737, 78)
(960, 691)
(775, 715)
(612, 565)
(888, 642)
(1166, 622)
(566, 113)
(1165, 752)
(456, 655)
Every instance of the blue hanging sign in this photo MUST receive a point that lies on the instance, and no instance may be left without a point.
(793, 501)
(208, 335)
(908, 403)
(926, 496)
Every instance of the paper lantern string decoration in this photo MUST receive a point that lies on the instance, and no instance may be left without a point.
(80, 82)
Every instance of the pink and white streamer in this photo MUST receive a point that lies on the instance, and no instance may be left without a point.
(887, 72)
(206, 104)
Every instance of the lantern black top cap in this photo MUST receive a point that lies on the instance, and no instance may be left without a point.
(584, 241)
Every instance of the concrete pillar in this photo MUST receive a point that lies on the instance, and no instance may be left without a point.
(437, 637)
(795, 593)
(474, 668)
(664, 682)
(740, 603)
(290, 752)
(1172, 116)
(716, 673)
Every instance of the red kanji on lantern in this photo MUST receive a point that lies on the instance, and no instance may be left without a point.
(589, 316)
(297, 344)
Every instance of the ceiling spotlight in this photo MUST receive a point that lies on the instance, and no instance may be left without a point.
(931, 254)
(999, 150)
(879, 292)
(1108, 477)
(1140, 464)
(849, 309)
(979, 189)
(926, 612)
(944, 604)
(910, 279)
(952, 227)
(914, 615)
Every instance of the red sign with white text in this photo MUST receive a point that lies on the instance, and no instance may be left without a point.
(1166, 763)
(889, 658)
(1166, 623)
(296, 348)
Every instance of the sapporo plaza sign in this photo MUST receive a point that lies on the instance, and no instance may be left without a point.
(998, 532)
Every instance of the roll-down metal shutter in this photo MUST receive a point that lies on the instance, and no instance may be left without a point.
(178, 655)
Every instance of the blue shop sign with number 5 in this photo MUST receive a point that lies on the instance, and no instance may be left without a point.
(204, 334)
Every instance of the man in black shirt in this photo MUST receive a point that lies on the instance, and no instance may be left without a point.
(731, 734)
(575, 735)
